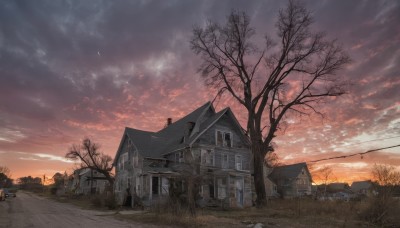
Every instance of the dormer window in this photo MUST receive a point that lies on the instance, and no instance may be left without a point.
(223, 138)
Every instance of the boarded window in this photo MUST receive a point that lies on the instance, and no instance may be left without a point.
(164, 186)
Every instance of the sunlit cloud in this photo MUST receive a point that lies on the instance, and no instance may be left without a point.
(43, 157)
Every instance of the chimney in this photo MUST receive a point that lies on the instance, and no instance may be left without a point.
(169, 121)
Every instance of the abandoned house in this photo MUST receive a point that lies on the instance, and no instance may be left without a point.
(204, 146)
(86, 181)
(363, 188)
(292, 180)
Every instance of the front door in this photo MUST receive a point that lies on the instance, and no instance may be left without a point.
(239, 191)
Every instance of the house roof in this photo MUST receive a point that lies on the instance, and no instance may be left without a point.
(338, 186)
(175, 136)
(288, 171)
(359, 185)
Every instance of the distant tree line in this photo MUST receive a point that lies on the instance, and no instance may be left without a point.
(5, 177)
(30, 183)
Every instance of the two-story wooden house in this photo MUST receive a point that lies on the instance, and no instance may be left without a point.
(292, 180)
(213, 143)
(86, 181)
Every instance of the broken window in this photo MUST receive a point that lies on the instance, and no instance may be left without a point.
(227, 139)
(219, 140)
(223, 138)
(211, 190)
(155, 185)
(207, 157)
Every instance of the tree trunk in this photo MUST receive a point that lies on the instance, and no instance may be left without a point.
(257, 149)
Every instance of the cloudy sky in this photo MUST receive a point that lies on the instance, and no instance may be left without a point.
(70, 69)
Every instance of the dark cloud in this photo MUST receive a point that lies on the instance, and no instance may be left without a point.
(72, 69)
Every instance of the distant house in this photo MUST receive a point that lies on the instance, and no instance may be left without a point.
(271, 188)
(339, 191)
(87, 181)
(335, 187)
(208, 144)
(292, 180)
(362, 187)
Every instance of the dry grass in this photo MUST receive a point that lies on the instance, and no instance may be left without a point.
(279, 213)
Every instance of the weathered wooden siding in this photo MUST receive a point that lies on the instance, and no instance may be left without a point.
(129, 178)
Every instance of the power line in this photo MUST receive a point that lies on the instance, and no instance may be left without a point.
(352, 155)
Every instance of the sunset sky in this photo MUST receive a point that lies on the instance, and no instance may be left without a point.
(70, 69)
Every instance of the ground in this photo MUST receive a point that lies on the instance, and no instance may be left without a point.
(30, 210)
(278, 213)
(44, 210)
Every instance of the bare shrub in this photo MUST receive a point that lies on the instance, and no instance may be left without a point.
(382, 209)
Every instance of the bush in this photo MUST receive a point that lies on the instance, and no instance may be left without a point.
(382, 210)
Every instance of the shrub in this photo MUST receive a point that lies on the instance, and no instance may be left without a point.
(382, 210)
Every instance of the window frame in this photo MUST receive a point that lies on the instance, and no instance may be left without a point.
(225, 164)
(207, 157)
(224, 142)
(237, 162)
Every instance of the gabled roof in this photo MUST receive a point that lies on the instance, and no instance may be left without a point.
(172, 137)
(288, 172)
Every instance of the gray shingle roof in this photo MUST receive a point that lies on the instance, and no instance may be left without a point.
(359, 185)
(287, 171)
(155, 144)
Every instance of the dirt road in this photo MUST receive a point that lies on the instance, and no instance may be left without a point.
(29, 210)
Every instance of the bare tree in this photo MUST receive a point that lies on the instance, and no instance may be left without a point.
(273, 160)
(385, 175)
(90, 156)
(325, 176)
(292, 75)
(383, 208)
(5, 170)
